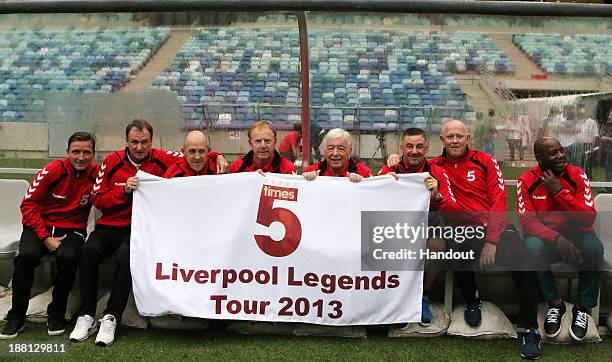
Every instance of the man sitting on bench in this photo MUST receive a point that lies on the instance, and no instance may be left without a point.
(55, 209)
(556, 210)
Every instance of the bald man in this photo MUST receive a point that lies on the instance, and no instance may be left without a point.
(557, 212)
(480, 190)
(478, 183)
(198, 159)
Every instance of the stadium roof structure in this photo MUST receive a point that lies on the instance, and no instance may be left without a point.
(521, 8)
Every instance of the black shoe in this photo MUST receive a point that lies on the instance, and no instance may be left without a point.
(56, 326)
(531, 348)
(12, 329)
(580, 323)
(472, 313)
(552, 322)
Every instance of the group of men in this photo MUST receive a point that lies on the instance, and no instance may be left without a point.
(555, 210)
(464, 184)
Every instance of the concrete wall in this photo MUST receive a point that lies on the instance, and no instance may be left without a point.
(24, 140)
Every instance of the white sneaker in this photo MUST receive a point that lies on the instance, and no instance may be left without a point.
(106, 334)
(85, 326)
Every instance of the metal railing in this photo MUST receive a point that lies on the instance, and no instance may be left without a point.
(485, 83)
(206, 109)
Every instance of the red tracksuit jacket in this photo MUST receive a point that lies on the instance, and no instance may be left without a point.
(108, 194)
(354, 167)
(478, 186)
(182, 169)
(278, 164)
(448, 202)
(534, 200)
(58, 196)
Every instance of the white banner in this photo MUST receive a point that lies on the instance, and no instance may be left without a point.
(201, 247)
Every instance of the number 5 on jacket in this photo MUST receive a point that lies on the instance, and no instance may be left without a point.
(267, 214)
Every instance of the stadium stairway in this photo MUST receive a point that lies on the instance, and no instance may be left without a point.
(476, 96)
(159, 62)
(524, 66)
(481, 102)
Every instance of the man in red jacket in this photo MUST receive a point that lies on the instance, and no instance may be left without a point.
(112, 194)
(480, 190)
(263, 156)
(556, 211)
(479, 187)
(290, 144)
(414, 147)
(55, 211)
(337, 148)
(197, 157)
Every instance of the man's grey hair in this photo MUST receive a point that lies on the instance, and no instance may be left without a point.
(333, 134)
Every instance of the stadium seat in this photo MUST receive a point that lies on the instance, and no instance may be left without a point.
(349, 68)
(572, 55)
(64, 60)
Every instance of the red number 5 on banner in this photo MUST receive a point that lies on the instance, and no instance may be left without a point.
(267, 214)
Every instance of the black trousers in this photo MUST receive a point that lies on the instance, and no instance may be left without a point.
(512, 256)
(31, 250)
(103, 242)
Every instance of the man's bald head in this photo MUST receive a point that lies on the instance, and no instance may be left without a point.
(542, 144)
(196, 137)
(455, 138)
(453, 124)
(550, 154)
(195, 149)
